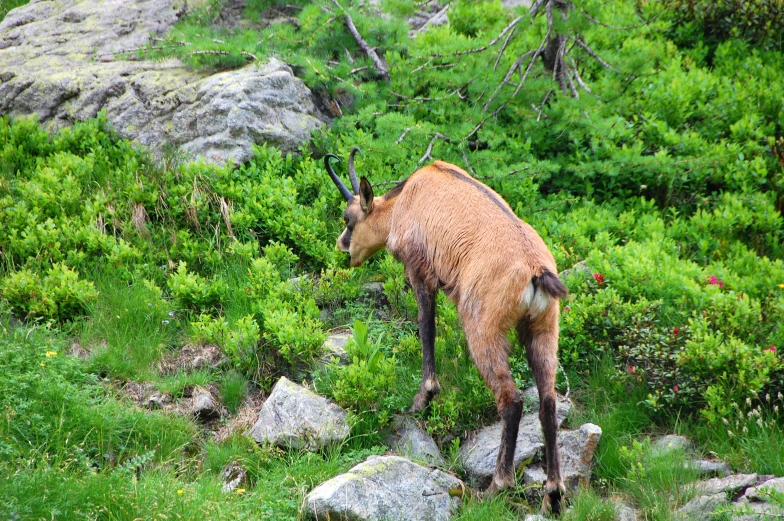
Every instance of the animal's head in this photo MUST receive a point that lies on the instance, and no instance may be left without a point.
(366, 231)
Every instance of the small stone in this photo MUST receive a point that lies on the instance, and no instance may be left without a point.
(199, 362)
(296, 417)
(709, 468)
(409, 439)
(387, 488)
(671, 443)
(732, 483)
(334, 349)
(535, 517)
(154, 402)
(204, 407)
(701, 507)
(580, 267)
(624, 512)
(375, 290)
(234, 476)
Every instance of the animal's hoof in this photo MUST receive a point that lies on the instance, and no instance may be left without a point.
(421, 401)
(553, 499)
(497, 485)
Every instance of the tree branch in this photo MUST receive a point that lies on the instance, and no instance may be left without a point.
(430, 147)
(382, 69)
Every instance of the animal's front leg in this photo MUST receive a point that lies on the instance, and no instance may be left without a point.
(426, 302)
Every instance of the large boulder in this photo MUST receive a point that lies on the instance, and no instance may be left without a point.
(59, 62)
(388, 488)
(479, 453)
(295, 417)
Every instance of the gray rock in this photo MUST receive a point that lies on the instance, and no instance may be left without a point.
(431, 13)
(580, 267)
(727, 484)
(746, 510)
(535, 517)
(701, 507)
(512, 4)
(388, 488)
(478, 454)
(753, 493)
(59, 62)
(204, 407)
(375, 291)
(154, 402)
(624, 512)
(577, 449)
(670, 443)
(295, 417)
(234, 476)
(409, 439)
(199, 362)
(334, 347)
(709, 468)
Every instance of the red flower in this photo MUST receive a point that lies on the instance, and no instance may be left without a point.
(713, 281)
(676, 331)
(772, 349)
(676, 388)
(567, 308)
(599, 278)
(631, 369)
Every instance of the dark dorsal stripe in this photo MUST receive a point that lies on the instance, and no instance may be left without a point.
(490, 194)
(395, 190)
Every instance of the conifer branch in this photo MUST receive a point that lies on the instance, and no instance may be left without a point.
(503, 49)
(382, 69)
(497, 39)
(595, 56)
(481, 123)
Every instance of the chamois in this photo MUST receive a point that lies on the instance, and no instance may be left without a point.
(454, 233)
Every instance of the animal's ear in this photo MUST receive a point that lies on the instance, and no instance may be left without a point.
(365, 195)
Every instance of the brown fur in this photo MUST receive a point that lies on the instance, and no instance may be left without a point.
(454, 233)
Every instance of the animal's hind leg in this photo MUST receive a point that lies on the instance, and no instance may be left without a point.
(426, 302)
(540, 339)
(489, 349)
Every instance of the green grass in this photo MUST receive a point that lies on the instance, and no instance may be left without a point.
(233, 388)
(7, 5)
(130, 329)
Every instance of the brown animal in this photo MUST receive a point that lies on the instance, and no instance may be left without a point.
(456, 234)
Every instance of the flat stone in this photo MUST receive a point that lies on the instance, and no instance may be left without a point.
(754, 494)
(577, 449)
(671, 443)
(756, 510)
(479, 453)
(295, 417)
(732, 484)
(409, 439)
(386, 488)
(709, 468)
(701, 508)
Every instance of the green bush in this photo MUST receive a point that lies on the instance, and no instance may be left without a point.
(59, 294)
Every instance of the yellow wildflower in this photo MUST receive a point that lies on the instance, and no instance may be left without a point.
(43, 364)
(180, 492)
(50, 354)
(240, 491)
(781, 286)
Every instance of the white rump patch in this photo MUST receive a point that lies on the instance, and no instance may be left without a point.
(534, 301)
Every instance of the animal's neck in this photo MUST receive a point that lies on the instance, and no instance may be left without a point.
(382, 216)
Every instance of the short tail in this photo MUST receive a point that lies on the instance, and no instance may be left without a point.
(550, 284)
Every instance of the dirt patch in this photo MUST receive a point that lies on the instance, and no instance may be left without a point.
(193, 357)
(245, 418)
(232, 16)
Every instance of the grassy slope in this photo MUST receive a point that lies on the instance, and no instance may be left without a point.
(70, 449)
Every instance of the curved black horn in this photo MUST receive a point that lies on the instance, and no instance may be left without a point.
(348, 196)
(352, 174)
